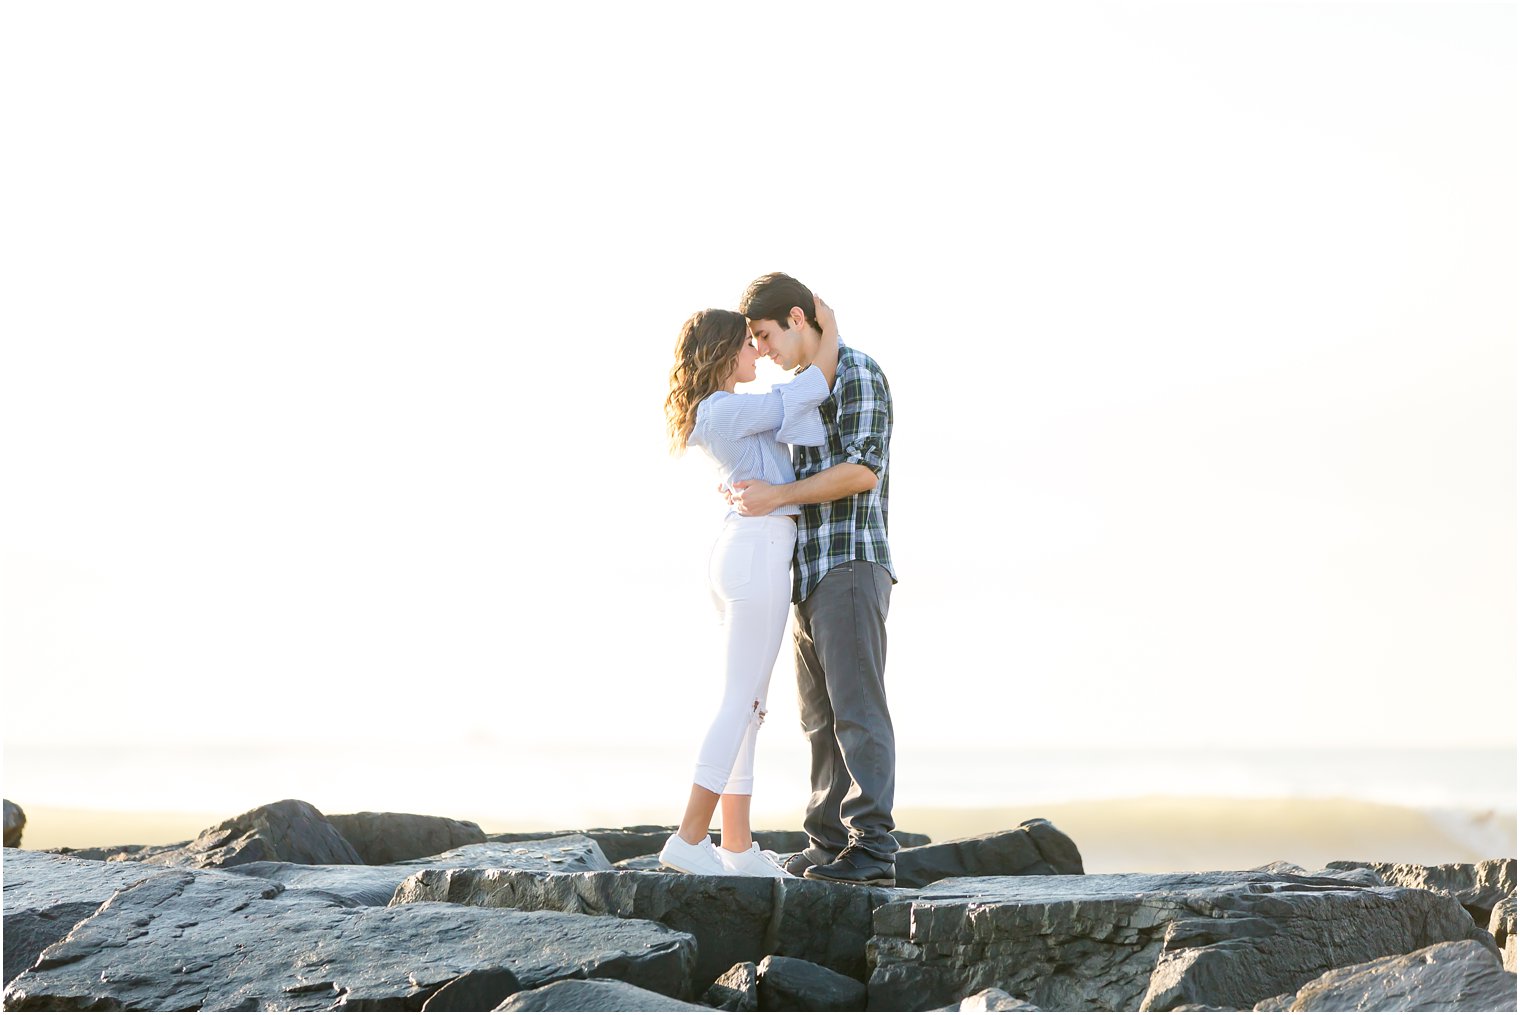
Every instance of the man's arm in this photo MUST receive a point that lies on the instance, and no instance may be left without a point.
(757, 497)
(864, 423)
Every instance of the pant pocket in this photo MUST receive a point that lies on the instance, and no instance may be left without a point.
(732, 570)
(883, 587)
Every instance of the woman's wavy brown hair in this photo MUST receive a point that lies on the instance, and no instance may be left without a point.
(706, 353)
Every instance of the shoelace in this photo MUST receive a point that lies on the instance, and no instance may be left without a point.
(849, 852)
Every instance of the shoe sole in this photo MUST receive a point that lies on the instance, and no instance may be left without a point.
(725, 873)
(700, 874)
(683, 870)
(878, 882)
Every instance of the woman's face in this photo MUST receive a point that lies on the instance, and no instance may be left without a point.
(744, 369)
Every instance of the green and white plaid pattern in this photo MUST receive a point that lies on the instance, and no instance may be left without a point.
(857, 416)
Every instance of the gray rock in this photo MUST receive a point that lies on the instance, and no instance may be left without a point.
(1035, 847)
(477, 990)
(350, 884)
(735, 990)
(117, 854)
(990, 999)
(788, 984)
(1123, 942)
(1450, 976)
(383, 837)
(616, 843)
(643, 863)
(1501, 924)
(593, 995)
(292, 831)
(1479, 887)
(15, 824)
(1352, 874)
(1364, 876)
(733, 919)
(570, 854)
(363, 885)
(642, 840)
(185, 940)
(44, 896)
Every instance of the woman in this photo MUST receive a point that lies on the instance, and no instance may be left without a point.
(750, 570)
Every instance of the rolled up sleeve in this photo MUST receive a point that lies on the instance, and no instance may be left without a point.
(864, 417)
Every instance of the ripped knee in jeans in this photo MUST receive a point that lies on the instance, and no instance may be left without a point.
(759, 712)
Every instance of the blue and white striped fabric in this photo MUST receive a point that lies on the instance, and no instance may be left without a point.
(746, 435)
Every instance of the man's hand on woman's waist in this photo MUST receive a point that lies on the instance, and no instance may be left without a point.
(757, 497)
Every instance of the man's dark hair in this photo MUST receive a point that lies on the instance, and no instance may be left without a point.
(772, 297)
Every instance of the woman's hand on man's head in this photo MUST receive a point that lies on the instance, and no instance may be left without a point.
(824, 313)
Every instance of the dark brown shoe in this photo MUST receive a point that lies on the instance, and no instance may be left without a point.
(798, 863)
(855, 867)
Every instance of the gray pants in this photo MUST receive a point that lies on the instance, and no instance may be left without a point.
(841, 691)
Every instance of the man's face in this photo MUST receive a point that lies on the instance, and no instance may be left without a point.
(782, 346)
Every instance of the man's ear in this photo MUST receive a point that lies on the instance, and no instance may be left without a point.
(797, 317)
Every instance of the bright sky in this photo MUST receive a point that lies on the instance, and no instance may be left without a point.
(336, 337)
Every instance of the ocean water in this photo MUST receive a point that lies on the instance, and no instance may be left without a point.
(621, 783)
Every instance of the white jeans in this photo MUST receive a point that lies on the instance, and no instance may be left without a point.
(751, 580)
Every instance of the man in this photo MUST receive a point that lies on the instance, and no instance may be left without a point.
(841, 587)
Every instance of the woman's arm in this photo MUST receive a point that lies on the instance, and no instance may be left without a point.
(827, 360)
(736, 415)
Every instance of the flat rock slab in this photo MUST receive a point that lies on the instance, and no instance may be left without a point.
(1355, 875)
(1451, 976)
(45, 895)
(593, 995)
(183, 941)
(1122, 942)
(568, 854)
(1034, 847)
(353, 884)
(733, 919)
(641, 840)
(134, 852)
(1478, 886)
(374, 886)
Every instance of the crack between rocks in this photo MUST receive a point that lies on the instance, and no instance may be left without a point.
(772, 936)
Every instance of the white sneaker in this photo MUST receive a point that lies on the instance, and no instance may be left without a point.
(753, 863)
(678, 854)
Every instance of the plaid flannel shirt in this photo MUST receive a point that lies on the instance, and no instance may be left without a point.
(857, 416)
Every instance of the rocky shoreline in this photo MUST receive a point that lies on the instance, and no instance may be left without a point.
(284, 908)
